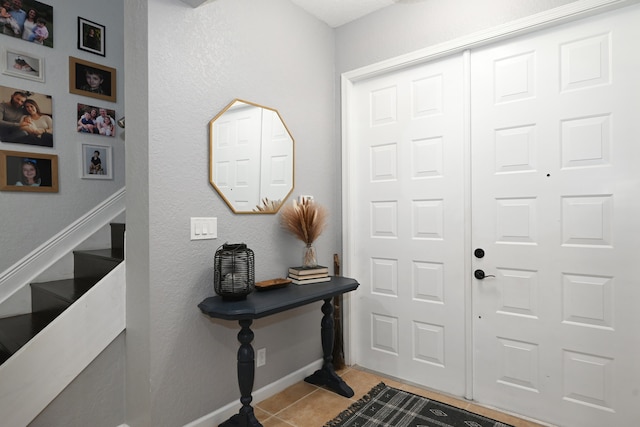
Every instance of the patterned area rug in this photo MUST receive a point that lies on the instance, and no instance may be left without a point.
(388, 406)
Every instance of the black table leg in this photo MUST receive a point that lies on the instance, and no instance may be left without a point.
(326, 375)
(246, 371)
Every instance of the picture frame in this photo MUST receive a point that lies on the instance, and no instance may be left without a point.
(32, 117)
(37, 27)
(99, 121)
(91, 36)
(90, 168)
(18, 166)
(90, 79)
(22, 65)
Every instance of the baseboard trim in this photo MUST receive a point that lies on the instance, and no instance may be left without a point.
(219, 416)
(35, 263)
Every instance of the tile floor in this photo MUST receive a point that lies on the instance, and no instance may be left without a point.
(306, 405)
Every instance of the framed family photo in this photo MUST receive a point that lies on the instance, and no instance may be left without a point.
(96, 161)
(96, 120)
(91, 36)
(91, 79)
(27, 117)
(29, 20)
(23, 65)
(28, 172)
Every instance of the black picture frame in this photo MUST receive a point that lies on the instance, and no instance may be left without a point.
(91, 36)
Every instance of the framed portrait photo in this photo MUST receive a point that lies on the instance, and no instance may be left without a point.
(96, 120)
(22, 65)
(28, 172)
(28, 117)
(96, 161)
(91, 36)
(91, 79)
(35, 25)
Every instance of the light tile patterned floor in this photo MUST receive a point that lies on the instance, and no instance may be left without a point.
(306, 405)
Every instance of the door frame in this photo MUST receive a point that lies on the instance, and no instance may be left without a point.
(560, 15)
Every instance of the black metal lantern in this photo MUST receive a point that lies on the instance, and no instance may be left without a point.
(234, 272)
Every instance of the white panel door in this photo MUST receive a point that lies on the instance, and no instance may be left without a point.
(555, 199)
(237, 138)
(276, 174)
(408, 181)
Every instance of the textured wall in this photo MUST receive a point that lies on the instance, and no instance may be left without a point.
(30, 219)
(271, 53)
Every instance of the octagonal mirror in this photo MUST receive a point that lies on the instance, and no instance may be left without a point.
(251, 157)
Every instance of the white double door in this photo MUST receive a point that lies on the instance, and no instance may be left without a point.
(528, 150)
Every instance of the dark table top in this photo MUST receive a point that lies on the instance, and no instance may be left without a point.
(265, 303)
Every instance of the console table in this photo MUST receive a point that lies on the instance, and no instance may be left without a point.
(266, 303)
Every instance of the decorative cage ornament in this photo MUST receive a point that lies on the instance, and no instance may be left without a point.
(234, 271)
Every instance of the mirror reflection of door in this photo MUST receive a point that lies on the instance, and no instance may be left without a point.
(277, 153)
(251, 158)
(236, 139)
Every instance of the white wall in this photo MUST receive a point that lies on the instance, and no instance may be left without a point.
(30, 219)
(181, 364)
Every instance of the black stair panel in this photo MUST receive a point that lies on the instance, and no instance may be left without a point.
(4, 354)
(95, 263)
(16, 331)
(59, 294)
(117, 235)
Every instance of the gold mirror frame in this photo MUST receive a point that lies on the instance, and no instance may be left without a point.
(251, 157)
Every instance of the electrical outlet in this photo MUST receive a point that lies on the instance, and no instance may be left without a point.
(304, 198)
(261, 358)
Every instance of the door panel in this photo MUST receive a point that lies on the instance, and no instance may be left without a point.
(555, 142)
(237, 139)
(276, 163)
(409, 243)
(554, 190)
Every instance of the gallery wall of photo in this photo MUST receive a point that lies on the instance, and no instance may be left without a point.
(59, 100)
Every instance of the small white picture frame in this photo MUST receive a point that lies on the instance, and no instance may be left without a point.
(96, 161)
(23, 65)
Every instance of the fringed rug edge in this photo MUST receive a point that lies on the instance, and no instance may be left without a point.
(354, 407)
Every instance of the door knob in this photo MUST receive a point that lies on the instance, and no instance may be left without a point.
(479, 274)
(479, 253)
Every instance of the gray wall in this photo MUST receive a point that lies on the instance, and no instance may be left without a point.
(180, 364)
(95, 398)
(30, 219)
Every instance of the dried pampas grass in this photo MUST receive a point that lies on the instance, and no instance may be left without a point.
(268, 205)
(305, 220)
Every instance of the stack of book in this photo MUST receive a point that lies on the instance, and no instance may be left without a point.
(306, 275)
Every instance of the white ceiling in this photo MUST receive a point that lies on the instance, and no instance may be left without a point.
(338, 12)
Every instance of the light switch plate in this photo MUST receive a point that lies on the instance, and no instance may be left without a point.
(204, 228)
